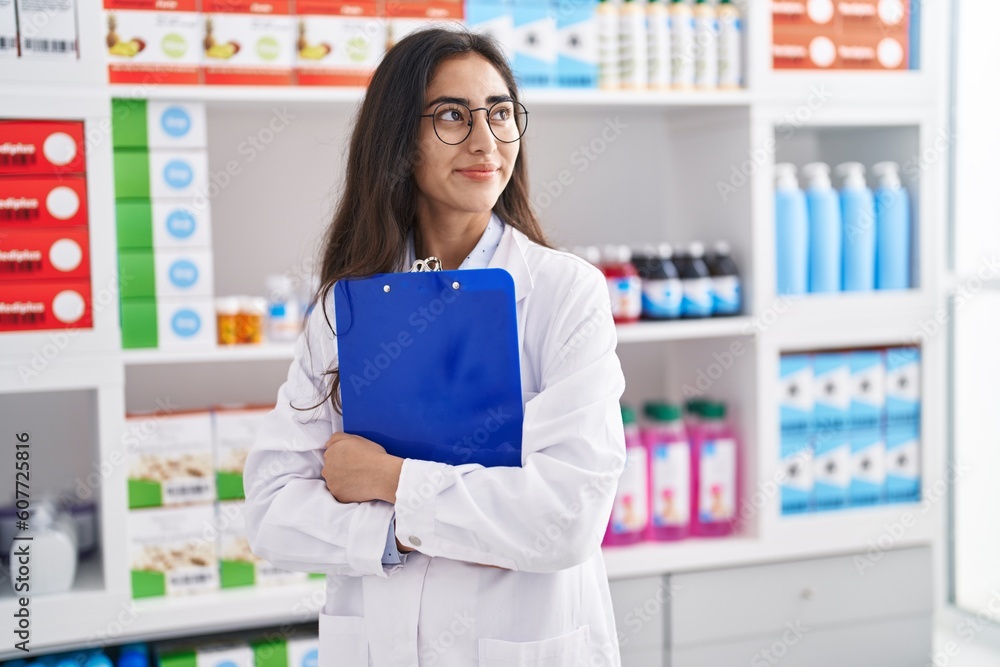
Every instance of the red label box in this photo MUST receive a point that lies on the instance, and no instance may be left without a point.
(41, 147)
(36, 306)
(43, 201)
(44, 254)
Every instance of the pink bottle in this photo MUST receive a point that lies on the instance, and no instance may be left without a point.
(669, 472)
(630, 513)
(715, 473)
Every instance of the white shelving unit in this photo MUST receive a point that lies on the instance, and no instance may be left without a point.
(658, 180)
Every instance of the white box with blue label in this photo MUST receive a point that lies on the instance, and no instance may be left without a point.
(181, 224)
(832, 470)
(183, 272)
(494, 18)
(902, 451)
(576, 28)
(172, 125)
(797, 473)
(867, 467)
(185, 322)
(832, 382)
(178, 174)
(795, 392)
(535, 44)
(902, 385)
(867, 389)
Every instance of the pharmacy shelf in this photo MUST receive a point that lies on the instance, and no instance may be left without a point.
(262, 352)
(713, 327)
(556, 97)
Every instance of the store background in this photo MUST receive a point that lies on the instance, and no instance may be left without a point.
(656, 179)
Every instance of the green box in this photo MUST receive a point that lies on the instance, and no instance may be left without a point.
(136, 274)
(128, 123)
(144, 493)
(235, 573)
(148, 584)
(134, 218)
(229, 485)
(131, 173)
(271, 652)
(139, 323)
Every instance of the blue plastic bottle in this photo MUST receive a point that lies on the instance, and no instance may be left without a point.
(791, 231)
(857, 205)
(825, 229)
(892, 224)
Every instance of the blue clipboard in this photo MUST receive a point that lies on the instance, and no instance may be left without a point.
(429, 364)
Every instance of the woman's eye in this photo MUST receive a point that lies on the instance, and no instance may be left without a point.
(503, 113)
(451, 115)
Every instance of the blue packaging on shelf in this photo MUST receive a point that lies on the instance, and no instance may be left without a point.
(867, 388)
(832, 468)
(535, 44)
(832, 382)
(795, 392)
(902, 451)
(576, 30)
(494, 18)
(797, 473)
(867, 467)
(902, 385)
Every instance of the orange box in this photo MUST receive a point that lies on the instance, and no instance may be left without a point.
(152, 41)
(884, 16)
(248, 42)
(339, 42)
(802, 13)
(41, 147)
(44, 254)
(41, 305)
(812, 48)
(43, 201)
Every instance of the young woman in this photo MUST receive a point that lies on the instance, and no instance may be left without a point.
(428, 563)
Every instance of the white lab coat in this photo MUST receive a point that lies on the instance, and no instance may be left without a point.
(546, 603)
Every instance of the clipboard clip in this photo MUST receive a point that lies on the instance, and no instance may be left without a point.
(429, 264)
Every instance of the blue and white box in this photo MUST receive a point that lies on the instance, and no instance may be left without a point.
(795, 392)
(832, 469)
(576, 25)
(178, 174)
(183, 273)
(185, 322)
(176, 125)
(535, 43)
(797, 473)
(832, 382)
(867, 389)
(902, 452)
(181, 224)
(494, 18)
(902, 385)
(867, 467)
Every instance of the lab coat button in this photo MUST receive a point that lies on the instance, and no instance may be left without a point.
(414, 540)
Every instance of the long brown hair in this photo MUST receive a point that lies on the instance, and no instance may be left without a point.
(377, 211)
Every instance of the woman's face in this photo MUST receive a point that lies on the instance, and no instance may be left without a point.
(468, 177)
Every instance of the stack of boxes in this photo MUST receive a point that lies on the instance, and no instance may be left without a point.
(248, 42)
(292, 647)
(849, 429)
(153, 42)
(44, 240)
(164, 224)
(187, 529)
(855, 34)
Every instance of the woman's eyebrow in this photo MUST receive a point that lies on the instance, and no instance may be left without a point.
(492, 99)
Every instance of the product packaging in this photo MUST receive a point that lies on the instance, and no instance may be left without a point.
(43, 201)
(832, 376)
(160, 174)
(47, 29)
(867, 389)
(41, 146)
(832, 466)
(8, 29)
(796, 388)
(153, 42)
(234, 431)
(162, 225)
(160, 125)
(868, 461)
(338, 43)
(406, 16)
(248, 43)
(576, 28)
(238, 565)
(170, 459)
(46, 304)
(902, 385)
(536, 47)
(902, 453)
(44, 254)
(218, 653)
(172, 551)
(797, 473)
(494, 18)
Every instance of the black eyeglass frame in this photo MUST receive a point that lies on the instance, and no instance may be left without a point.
(488, 111)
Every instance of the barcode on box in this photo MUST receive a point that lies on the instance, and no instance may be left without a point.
(49, 45)
(19, 268)
(190, 579)
(11, 214)
(187, 491)
(18, 160)
(7, 42)
(16, 319)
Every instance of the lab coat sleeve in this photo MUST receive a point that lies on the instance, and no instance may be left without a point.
(552, 512)
(292, 519)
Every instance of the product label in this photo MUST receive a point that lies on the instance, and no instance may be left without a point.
(727, 296)
(832, 470)
(176, 125)
(339, 44)
(46, 304)
(671, 484)
(255, 47)
(717, 481)
(171, 457)
(47, 29)
(868, 470)
(630, 511)
(180, 225)
(40, 254)
(682, 56)
(659, 47)
(902, 466)
(172, 551)
(662, 299)
(607, 46)
(730, 55)
(8, 29)
(902, 384)
(152, 42)
(795, 392)
(698, 297)
(797, 467)
(706, 67)
(39, 147)
(626, 297)
(43, 201)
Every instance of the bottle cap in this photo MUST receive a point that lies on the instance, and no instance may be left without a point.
(818, 175)
(696, 249)
(721, 248)
(784, 176)
(693, 406)
(628, 415)
(279, 283)
(666, 251)
(888, 175)
(592, 254)
(853, 174)
(713, 410)
(227, 305)
(663, 412)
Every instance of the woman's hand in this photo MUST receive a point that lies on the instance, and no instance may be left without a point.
(357, 470)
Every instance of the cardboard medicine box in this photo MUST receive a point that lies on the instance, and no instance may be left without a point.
(172, 551)
(44, 254)
(248, 42)
(152, 42)
(43, 201)
(41, 146)
(338, 43)
(170, 459)
(46, 304)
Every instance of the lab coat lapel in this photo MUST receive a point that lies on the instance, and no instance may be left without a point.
(510, 256)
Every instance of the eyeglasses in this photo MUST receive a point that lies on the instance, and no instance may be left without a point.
(507, 121)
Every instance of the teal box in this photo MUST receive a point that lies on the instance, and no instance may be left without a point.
(535, 47)
(576, 29)
(902, 475)
(832, 468)
(798, 473)
(867, 467)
